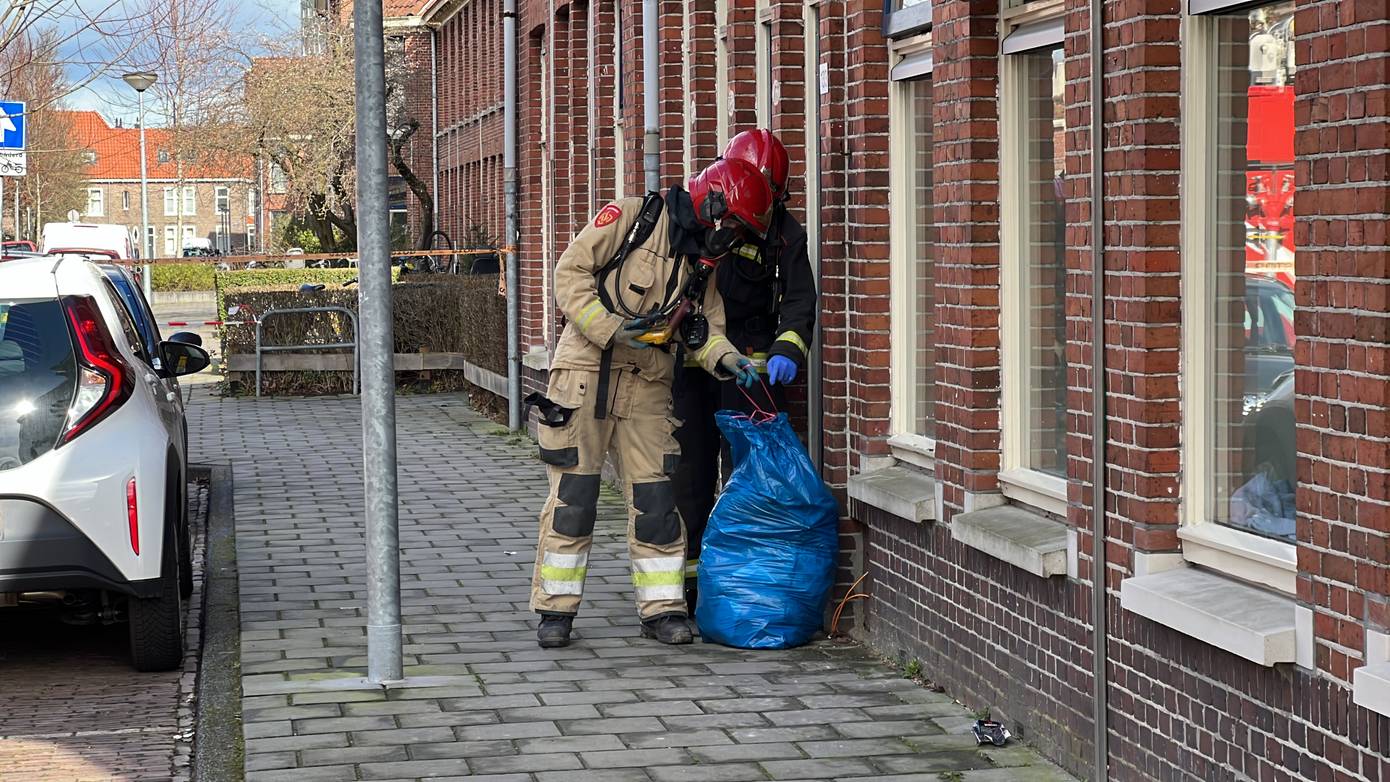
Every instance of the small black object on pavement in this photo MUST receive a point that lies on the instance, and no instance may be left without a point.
(990, 732)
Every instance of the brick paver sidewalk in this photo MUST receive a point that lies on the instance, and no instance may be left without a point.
(496, 708)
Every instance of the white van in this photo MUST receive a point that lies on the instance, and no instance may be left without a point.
(103, 239)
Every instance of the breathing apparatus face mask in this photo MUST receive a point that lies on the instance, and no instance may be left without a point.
(722, 240)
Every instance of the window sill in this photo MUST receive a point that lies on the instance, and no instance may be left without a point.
(1047, 493)
(1016, 535)
(903, 491)
(914, 449)
(1272, 563)
(1223, 612)
(1370, 688)
(537, 359)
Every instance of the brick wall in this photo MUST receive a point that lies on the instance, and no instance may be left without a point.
(121, 205)
(992, 634)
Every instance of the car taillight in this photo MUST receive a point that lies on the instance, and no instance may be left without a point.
(104, 379)
(132, 515)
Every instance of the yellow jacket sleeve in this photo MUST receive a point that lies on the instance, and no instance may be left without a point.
(576, 287)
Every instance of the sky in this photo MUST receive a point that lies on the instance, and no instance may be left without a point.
(110, 96)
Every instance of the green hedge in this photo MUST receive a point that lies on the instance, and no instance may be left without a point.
(203, 277)
(448, 314)
(181, 277)
(265, 278)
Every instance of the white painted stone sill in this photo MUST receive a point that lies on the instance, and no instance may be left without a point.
(537, 358)
(1370, 688)
(1017, 536)
(901, 490)
(1245, 620)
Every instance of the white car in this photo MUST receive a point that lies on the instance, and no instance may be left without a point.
(93, 454)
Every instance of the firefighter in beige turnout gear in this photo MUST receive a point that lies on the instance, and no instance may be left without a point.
(609, 393)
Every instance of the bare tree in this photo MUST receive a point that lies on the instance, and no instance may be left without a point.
(299, 115)
(92, 35)
(401, 128)
(190, 46)
(56, 177)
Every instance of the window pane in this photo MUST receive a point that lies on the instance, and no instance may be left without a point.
(1252, 272)
(1044, 245)
(923, 246)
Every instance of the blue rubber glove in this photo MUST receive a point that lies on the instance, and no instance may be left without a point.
(781, 369)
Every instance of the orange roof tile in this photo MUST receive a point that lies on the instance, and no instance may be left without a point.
(118, 152)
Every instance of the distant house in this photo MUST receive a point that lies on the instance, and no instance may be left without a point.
(213, 200)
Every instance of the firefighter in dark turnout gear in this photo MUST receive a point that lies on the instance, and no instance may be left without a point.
(770, 303)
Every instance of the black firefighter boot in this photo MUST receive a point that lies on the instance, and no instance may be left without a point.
(671, 629)
(555, 630)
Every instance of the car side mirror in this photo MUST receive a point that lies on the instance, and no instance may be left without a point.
(186, 338)
(182, 359)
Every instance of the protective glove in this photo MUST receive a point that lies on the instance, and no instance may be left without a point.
(781, 369)
(630, 331)
(741, 367)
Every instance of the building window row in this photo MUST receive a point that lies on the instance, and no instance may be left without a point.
(1237, 291)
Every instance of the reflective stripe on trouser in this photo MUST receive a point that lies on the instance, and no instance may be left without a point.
(638, 429)
(658, 578)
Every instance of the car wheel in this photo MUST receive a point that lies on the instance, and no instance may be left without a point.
(156, 623)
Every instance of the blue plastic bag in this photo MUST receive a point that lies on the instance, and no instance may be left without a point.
(768, 560)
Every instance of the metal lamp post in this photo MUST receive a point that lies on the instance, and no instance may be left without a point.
(142, 81)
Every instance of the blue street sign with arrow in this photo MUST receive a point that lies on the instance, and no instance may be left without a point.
(12, 124)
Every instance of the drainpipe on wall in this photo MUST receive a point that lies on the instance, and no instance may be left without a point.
(511, 238)
(651, 140)
(591, 53)
(1100, 631)
(434, 124)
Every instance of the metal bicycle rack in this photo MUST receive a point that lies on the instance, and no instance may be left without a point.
(263, 349)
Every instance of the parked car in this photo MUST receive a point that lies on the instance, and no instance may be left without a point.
(93, 454)
(88, 239)
(23, 245)
(1269, 334)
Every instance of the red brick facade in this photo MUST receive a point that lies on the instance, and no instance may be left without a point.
(994, 634)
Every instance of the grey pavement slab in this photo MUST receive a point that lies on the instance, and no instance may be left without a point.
(482, 701)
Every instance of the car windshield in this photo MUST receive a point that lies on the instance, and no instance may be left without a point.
(38, 377)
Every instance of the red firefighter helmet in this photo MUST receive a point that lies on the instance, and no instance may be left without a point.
(732, 194)
(766, 153)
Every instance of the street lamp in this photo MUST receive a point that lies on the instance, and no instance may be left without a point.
(141, 81)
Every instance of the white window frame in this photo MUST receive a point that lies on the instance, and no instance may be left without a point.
(906, 443)
(95, 196)
(171, 202)
(190, 200)
(250, 202)
(125, 199)
(1017, 481)
(250, 238)
(763, 48)
(722, 107)
(222, 200)
(1250, 557)
(170, 239)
